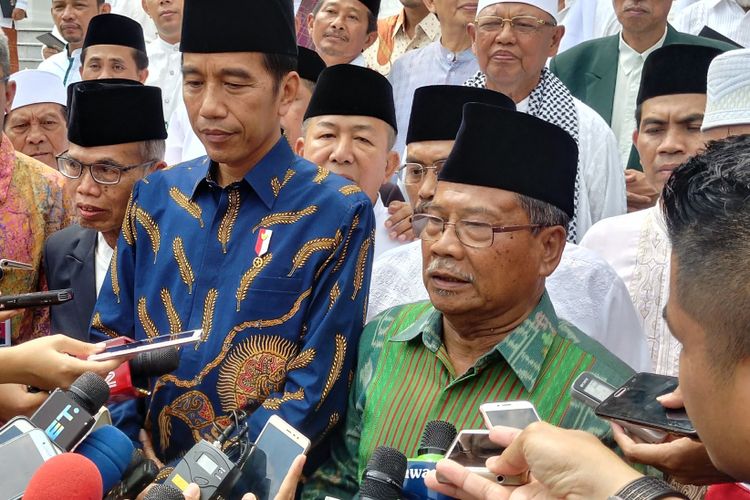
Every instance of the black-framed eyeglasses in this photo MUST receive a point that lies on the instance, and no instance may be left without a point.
(413, 173)
(473, 234)
(102, 173)
(520, 24)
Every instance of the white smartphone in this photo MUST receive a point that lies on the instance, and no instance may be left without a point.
(145, 345)
(277, 446)
(517, 414)
(471, 448)
(20, 458)
(14, 428)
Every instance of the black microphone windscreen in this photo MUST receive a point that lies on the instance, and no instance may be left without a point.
(164, 492)
(89, 391)
(437, 437)
(135, 460)
(384, 475)
(155, 363)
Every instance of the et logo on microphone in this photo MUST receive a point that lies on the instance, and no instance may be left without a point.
(56, 427)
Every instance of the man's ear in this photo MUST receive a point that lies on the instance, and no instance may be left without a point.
(143, 75)
(156, 167)
(553, 241)
(288, 91)
(635, 138)
(430, 4)
(556, 39)
(471, 29)
(10, 94)
(370, 39)
(299, 147)
(392, 163)
(105, 8)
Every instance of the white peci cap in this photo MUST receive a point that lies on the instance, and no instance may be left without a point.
(728, 93)
(34, 86)
(548, 6)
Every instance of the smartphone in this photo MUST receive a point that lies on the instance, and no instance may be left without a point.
(20, 458)
(471, 448)
(635, 402)
(36, 299)
(277, 446)
(591, 391)
(14, 428)
(51, 40)
(128, 349)
(516, 414)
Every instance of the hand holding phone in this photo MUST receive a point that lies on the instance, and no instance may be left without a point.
(121, 348)
(517, 414)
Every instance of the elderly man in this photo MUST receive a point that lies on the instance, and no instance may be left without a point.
(585, 290)
(490, 236)
(341, 30)
(72, 18)
(512, 41)
(36, 122)
(728, 96)
(349, 129)
(164, 56)
(265, 252)
(731, 18)
(114, 48)
(708, 234)
(670, 106)
(104, 161)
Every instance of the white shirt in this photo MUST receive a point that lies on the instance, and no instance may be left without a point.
(67, 68)
(587, 19)
(629, 69)
(359, 61)
(182, 143)
(724, 16)
(602, 178)
(637, 247)
(584, 289)
(383, 242)
(134, 10)
(102, 257)
(164, 71)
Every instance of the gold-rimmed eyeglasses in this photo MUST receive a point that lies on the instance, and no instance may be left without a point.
(525, 25)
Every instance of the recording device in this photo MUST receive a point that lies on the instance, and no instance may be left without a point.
(36, 299)
(384, 475)
(127, 380)
(7, 265)
(14, 428)
(68, 475)
(164, 492)
(436, 439)
(20, 457)
(121, 350)
(516, 414)
(66, 416)
(472, 448)
(635, 402)
(207, 466)
(139, 473)
(110, 450)
(591, 391)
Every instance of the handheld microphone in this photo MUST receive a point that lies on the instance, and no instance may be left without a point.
(140, 473)
(65, 476)
(436, 441)
(164, 492)
(384, 475)
(66, 416)
(110, 450)
(128, 380)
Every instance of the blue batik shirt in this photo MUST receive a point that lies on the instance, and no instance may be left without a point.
(281, 315)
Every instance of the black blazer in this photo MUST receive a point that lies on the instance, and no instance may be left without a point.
(69, 263)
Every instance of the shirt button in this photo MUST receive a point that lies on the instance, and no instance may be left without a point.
(171, 72)
(166, 100)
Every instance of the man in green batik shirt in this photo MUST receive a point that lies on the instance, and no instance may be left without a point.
(493, 232)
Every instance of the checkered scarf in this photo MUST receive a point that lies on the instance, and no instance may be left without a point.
(552, 102)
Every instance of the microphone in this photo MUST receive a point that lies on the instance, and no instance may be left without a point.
(384, 475)
(127, 380)
(140, 473)
(436, 441)
(66, 416)
(65, 476)
(110, 450)
(164, 492)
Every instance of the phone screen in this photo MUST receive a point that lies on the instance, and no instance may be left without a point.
(274, 453)
(518, 418)
(153, 341)
(472, 449)
(19, 459)
(636, 402)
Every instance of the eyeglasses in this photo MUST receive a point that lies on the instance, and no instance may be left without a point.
(524, 25)
(413, 173)
(471, 233)
(102, 173)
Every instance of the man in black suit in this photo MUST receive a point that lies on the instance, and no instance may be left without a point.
(105, 159)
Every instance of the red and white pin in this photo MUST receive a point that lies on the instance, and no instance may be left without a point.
(261, 245)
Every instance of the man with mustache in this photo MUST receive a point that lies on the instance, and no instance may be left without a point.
(341, 30)
(36, 124)
(512, 41)
(72, 18)
(731, 18)
(494, 230)
(669, 111)
(605, 73)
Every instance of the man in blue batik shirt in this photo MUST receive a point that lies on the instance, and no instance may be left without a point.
(267, 253)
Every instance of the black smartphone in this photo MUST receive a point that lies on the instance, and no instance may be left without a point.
(36, 299)
(635, 402)
(51, 41)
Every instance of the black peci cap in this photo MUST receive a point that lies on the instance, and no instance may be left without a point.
(309, 64)
(114, 29)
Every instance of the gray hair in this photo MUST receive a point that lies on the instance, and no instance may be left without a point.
(152, 150)
(542, 213)
(4, 55)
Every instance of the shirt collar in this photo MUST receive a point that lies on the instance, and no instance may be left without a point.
(448, 57)
(274, 164)
(430, 26)
(524, 349)
(630, 60)
(7, 164)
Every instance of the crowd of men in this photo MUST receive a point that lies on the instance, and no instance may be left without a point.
(381, 222)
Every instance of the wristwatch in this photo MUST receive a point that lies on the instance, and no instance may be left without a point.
(647, 488)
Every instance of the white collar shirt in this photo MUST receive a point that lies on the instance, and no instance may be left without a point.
(724, 16)
(164, 71)
(102, 258)
(67, 67)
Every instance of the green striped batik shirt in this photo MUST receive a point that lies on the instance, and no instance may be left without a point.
(405, 379)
